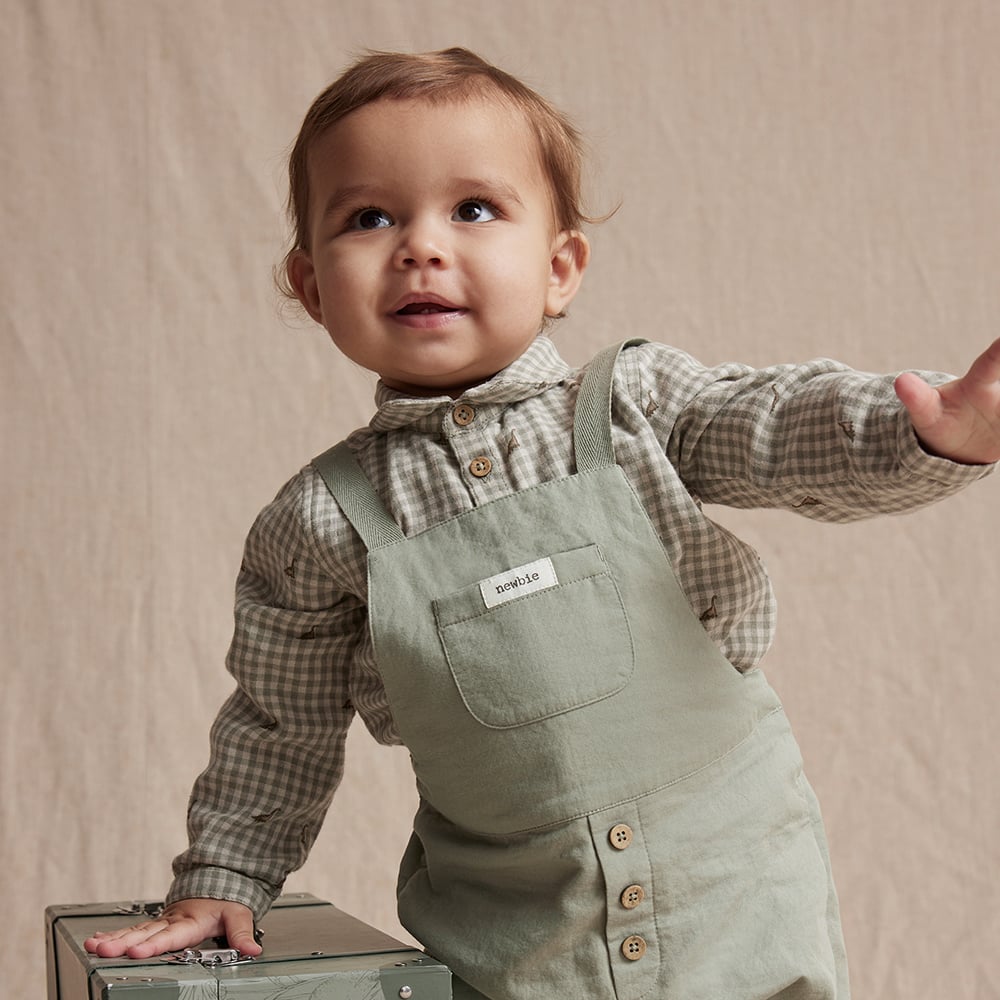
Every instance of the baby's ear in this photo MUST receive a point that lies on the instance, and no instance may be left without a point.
(570, 255)
(302, 278)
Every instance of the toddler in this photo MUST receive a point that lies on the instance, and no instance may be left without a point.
(509, 572)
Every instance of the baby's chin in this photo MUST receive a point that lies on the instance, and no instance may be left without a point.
(451, 384)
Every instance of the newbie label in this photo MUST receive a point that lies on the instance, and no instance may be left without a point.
(503, 587)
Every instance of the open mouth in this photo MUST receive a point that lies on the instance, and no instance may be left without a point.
(424, 309)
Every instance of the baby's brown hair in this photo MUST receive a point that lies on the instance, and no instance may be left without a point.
(437, 77)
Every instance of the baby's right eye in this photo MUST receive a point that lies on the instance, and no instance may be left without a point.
(369, 218)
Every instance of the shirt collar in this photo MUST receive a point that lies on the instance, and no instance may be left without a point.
(538, 369)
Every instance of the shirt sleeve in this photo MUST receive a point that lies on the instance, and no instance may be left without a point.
(277, 745)
(818, 438)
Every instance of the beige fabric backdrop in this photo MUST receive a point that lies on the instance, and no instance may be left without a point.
(797, 177)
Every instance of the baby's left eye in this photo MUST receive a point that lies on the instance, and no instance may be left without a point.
(474, 211)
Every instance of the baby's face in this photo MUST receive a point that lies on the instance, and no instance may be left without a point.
(434, 250)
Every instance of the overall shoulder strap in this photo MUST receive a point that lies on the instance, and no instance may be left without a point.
(592, 421)
(351, 488)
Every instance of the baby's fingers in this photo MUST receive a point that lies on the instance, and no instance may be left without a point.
(114, 944)
(923, 402)
(239, 930)
(985, 369)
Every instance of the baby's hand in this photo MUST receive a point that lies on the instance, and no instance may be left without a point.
(959, 420)
(181, 925)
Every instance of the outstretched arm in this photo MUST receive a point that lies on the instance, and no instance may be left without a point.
(959, 420)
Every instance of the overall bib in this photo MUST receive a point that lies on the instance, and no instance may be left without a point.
(607, 806)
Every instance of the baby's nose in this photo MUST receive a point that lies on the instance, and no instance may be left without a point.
(422, 245)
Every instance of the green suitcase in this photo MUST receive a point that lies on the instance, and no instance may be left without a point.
(312, 951)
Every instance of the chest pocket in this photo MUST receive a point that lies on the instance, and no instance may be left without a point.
(539, 655)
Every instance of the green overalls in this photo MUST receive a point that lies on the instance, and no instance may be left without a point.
(608, 809)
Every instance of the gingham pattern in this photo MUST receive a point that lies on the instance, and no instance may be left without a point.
(819, 439)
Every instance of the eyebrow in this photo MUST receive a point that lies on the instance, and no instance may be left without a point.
(355, 193)
(347, 196)
(489, 186)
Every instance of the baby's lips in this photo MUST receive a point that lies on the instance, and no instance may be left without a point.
(423, 302)
(422, 308)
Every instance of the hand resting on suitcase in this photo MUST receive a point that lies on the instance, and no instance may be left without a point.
(183, 924)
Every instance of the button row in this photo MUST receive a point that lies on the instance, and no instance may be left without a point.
(620, 837)
(463, 415)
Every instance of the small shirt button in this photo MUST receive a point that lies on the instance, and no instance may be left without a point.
(633, 896)
(463, 414)
(634, 947)
(480, 466)
(620, 836)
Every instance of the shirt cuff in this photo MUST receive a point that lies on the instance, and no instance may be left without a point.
(221, 883)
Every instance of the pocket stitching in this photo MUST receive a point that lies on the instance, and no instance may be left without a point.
(626, 677)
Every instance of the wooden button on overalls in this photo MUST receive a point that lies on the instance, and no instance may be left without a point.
(620, 836)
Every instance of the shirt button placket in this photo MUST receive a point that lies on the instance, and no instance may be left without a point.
(466, 428)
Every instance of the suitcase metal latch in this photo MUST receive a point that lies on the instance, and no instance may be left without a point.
(220, 955)
(139, 909)
(208, 957)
